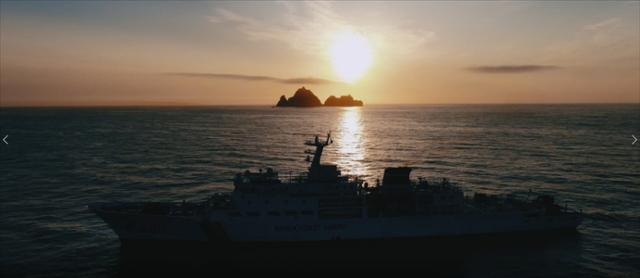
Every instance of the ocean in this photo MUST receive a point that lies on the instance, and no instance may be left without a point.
(58, 160)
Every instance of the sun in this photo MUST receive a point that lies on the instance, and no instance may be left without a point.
(351, 56)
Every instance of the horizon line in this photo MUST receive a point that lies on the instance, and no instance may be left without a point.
(273, 105)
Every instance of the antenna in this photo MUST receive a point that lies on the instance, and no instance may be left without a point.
(317, 154)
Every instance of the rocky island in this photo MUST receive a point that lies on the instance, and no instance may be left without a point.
(342, 101)
(305, 98)
(302, 98)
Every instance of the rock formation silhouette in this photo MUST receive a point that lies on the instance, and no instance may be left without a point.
(342, 101)
(282, 101)
(305, 98)
(302, 98)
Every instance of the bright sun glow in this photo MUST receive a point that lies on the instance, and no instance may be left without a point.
(351, 56)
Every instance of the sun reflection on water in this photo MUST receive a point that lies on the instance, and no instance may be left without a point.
(350, 144)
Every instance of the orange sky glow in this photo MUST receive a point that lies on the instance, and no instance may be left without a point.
(250, 53)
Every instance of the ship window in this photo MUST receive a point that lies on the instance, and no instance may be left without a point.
(307, 212)
(291, 212)
(274, 213)
(235, 213)
(253, 213)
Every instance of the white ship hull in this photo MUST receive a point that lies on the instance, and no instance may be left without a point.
(143, 227)
(246, 230)
(136, 227)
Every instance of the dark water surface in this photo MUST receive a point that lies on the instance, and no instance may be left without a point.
(60, 159)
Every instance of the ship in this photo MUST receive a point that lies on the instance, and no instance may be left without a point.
(324, 206)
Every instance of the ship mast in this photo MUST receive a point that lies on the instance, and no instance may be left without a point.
(319, 148)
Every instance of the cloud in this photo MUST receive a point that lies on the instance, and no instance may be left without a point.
(512, 68)
(602, 42)
(311, 26)
(243, 77)
(608, 24)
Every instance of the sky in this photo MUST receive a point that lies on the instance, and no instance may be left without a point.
(250, 53)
